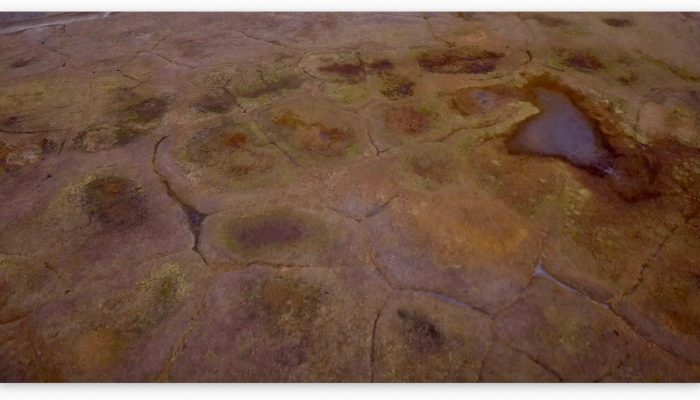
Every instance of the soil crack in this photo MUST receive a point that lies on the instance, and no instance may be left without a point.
(164, 374)
(271, 42)
(538, 362)
(660, 247)
(183, 65)
(489, 349)
(381, 207)
(372, 357)
(543, 273)
(195, 218)
(449, 300)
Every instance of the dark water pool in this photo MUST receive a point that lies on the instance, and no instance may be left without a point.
(562, 130)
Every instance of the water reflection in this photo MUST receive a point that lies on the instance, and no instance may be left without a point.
(562, 130)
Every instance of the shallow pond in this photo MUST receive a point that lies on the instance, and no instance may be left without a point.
(562, 130)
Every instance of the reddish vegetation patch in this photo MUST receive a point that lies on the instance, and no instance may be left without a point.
(9, 121)
(289, 119)
(4, 153)
(634, 179)
(618, 22)
(584, 62)
(235, 141)
(290, 298)
(644, 172)
(330, 135)
(324, 140)
(114, 201)
(550, 21)
(208, 146)
(21, 63)
(274, 230)
(269, 87)
(290, 305)
(315, 137)
(15, 156)
(454, 61)
(347, 70)
(421, 334)
(355, 72)
(381, 66)
(407, 120)
(228, 152)
(395, 87)
(47, 146)
(467, 16)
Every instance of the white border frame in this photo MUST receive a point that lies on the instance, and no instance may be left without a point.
(351, 5)
(350, 392)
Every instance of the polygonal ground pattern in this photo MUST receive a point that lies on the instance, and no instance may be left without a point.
(231, 197)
